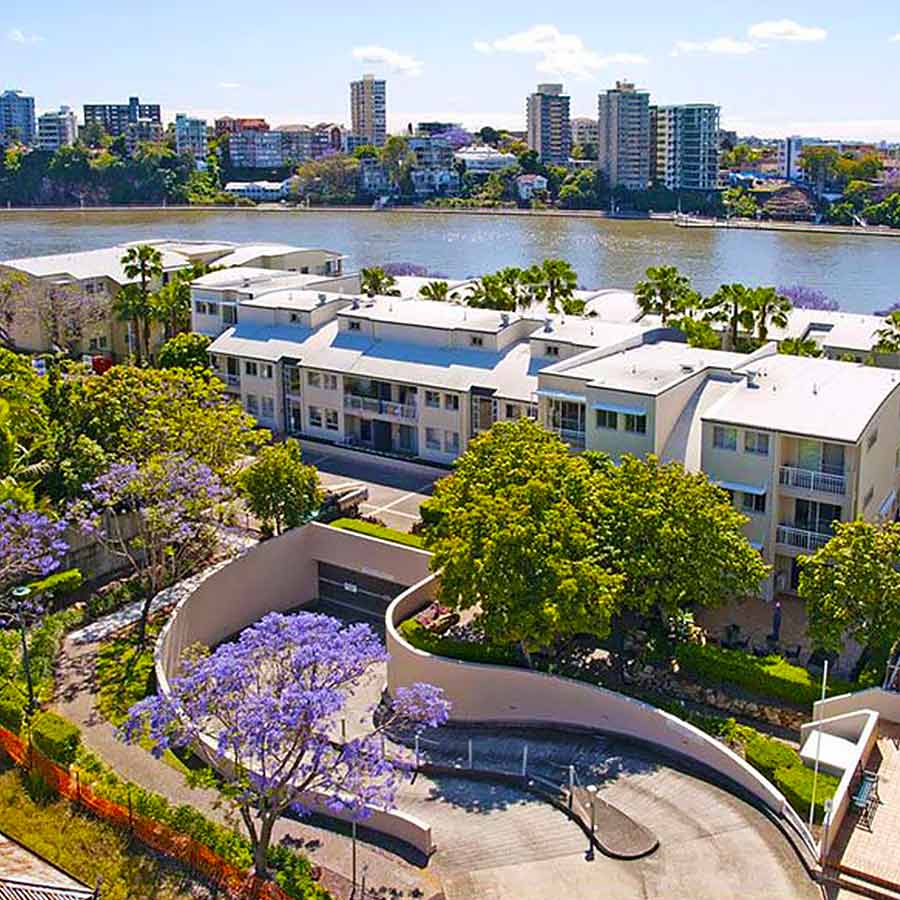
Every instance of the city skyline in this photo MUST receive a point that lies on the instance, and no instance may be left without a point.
(774, 68)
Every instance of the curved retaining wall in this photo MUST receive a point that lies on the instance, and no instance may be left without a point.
(503, 695)
(278, 575)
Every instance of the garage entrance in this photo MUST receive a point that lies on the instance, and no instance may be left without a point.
(355, 596)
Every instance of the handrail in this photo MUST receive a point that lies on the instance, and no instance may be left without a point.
(800, 538)
(812, 480)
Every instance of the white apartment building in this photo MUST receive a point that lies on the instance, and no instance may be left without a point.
(797, 442)
(790, 151)
(57, 128)
(623, 146)
(584, 131)
(190, 136)
(259, 191)
(481, 159)
(368, 109)
(685, 146)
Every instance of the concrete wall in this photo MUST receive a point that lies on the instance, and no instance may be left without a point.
(885, 703)
(503, 695)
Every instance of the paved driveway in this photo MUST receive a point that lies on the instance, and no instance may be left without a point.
(396, 489)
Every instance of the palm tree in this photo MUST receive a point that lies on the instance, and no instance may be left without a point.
(666, 293)
(375, 281)
(435, 290)
(889, 336)
(555, 281)
(769, 309)
(171, 305)
(800, 347)
(133, 302)
(731, 306)
(492, 292)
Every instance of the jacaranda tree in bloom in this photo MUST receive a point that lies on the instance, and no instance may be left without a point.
(31, 546)
(157, 517)
(270, 706)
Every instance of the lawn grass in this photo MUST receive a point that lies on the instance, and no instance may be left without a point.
(88, 848)
(379, 531)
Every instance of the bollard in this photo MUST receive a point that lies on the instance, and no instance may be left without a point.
(525, 761)
(470, 753)
(571, 785)
(417, 751)
(344, 731)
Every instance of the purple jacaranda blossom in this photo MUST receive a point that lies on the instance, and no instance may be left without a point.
(884, 313)
(400, 269)
(157, 517)
(267, 708)
(803, 297)
(31, 545)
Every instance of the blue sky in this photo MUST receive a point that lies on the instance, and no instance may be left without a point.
(824, 68)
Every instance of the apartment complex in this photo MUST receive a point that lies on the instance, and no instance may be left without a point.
(256, 150)
(190, 136)
(16, 117)
(482, 160)
(115, 118)
(368, 109)
(229, 125)
(56, 129)
(685, 147)
(623, 136)
(549, 127)
(790, 155)
(584, 132)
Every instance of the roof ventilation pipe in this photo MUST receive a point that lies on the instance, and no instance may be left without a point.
(751, 379)
(548, 325)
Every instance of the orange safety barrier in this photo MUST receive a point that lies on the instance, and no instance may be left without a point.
(237, 883)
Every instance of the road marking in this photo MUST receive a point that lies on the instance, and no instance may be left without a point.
(415, 493)
(371, 510)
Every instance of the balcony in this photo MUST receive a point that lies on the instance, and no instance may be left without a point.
(575, 439)
(810, 480)
(355, 403)
(233, 382)
(800, 538)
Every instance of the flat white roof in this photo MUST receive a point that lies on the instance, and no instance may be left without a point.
(106, 262)
(819, 398)
(245, 253)
(844, 330)
(301, 300)
(255, 281)
(433, 313)
(586, 332)
(612, 305)
(260, 342)
(648, 369)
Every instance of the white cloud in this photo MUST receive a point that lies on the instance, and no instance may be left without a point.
(725, 46)
(17, 36)
(786, 30)
(896, 38)
(229, 85)
(560, 54)
(408, 65)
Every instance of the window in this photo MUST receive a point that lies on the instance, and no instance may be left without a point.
(315, 417)
(331, 419)
(268, 408)
(756, 442)
(551, 350)
(295, 318)
(294, 380)
(432, 439)
(214, 360)
(607, 419)
(451, 401)
(724, 438)
(754, 503)
(250, 368)
(252, 404)
(212, 308)
(229, 315)
(451, 441)
(330, 382)
(871, 439)
(265, 370)
(354, 326)
(314, 379)
(200, 306)
(636, 424)
(512, 411)
(433, 399)
(231, 366)
(476, 341)
(532, 411)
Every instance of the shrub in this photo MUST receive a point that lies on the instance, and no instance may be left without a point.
(379, 531)
(768, 755)
(441, 645)
(768, 676)
(12, 709)
(56, 738)
(796, 783)
(59, 584)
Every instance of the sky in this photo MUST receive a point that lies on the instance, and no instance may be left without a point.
(817, 69)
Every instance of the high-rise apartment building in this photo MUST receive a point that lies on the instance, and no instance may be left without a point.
(114, 118)
(584, 131)
(16, 117)
(190, 136)
(368, 109)
(56, 129)
(256, 150)
(623, 136)
(685, 147)
(790, 153)
(549, 128)
(228, 125)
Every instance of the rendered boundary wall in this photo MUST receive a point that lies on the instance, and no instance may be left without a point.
(486, 693)
(278, 575)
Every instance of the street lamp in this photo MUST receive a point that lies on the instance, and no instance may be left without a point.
(20, 595)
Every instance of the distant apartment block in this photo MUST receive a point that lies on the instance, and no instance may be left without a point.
(143, 131)
(17, 118)
(115, 118)
(480, 159)
(432, 152)
(55, 129)
(229, 125)
(190, 136)
(584, 131)
(623, 143)
(368, 109)
(790, 153)
(685, 147)
(427, 129)
(549, 128)
(256, 150)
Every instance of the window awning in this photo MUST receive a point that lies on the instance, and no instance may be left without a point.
(621, 408)
(560, 395)
(755, 489)
(756, 545)
(887, 505)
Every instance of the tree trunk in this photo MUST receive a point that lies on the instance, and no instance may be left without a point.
(526, 655)
(261, 850)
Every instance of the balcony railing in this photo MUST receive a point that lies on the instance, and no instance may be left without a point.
(572, 437)
(233, 381)
(356, 403)
(810, 480)
(800, 538)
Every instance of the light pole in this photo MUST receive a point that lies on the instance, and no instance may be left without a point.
(812, 802)
(20, 595)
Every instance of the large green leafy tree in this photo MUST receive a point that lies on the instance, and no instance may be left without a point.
(665, 292)
(512, 539)
(674, 536)
(279, 488)
(851, 586)
(184, 351)
(134, 303)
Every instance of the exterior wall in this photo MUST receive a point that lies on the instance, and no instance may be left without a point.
(878, 464)
(258, 386)
(620, 442)
(670, 405)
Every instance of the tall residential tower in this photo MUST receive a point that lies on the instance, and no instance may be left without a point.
(368, 109)
(685, 142)
(623, 136)
(549, 128)
(16, 117)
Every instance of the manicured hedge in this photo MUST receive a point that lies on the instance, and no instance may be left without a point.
(379, 531)
(56, 738)
(468, 651)
(768, 755)
(12, 709)
(767, 676)
(796, 783)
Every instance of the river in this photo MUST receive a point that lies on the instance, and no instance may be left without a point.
(862, 273)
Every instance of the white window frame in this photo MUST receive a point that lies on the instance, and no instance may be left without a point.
(251, 404)
(633, 420)
(756, 437)
(267, 406)
(433, 399)
(315, 413)
(722, 431)
(433, 438)
(332, 421)
(251, 368)
(606, 413)
(451, 402)
(314, 379)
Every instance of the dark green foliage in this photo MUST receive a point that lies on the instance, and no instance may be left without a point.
(12, 708)
(56, 738)
(468, 651)
(57, 585)
(796, 783)
(768, 755)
